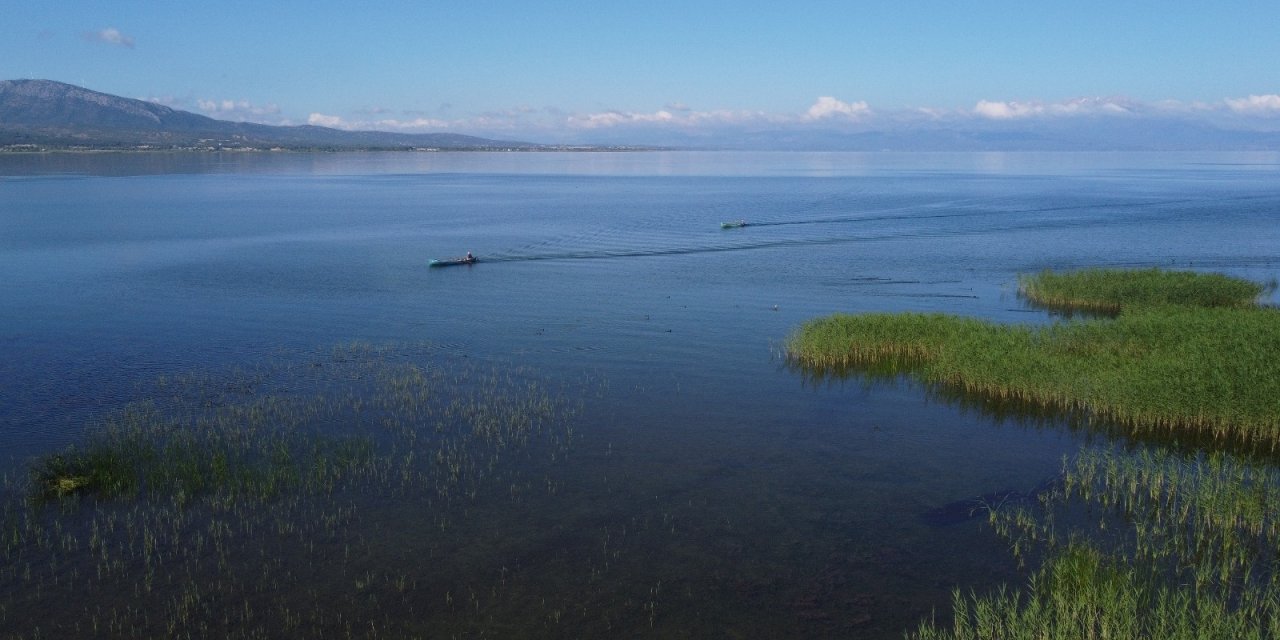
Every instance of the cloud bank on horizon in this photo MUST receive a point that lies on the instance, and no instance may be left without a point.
(580, 72)
(825, 110)
(1256, 112)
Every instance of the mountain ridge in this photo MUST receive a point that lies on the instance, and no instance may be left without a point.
(51, 114)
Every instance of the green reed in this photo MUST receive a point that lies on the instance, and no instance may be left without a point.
(1082, 594)
(1213, 371)
(255, 449)
(235, 504)
(1154, 544)
(1111, 290)
(1148, 545)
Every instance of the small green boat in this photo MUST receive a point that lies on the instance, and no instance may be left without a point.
(733, 225)
(453, 262)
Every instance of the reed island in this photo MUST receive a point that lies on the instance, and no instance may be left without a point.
(1174, 352)
(1173, 536)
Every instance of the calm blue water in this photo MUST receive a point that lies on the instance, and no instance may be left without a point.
(797, 506)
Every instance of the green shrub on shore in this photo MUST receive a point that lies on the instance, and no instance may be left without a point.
(1182, 366)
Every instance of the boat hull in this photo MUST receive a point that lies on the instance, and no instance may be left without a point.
(455, 262)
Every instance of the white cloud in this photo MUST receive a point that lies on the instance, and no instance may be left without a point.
(322, 120)
(614, 118)
(1267, 104)
(932, 113)
(110, 35)
(166, 101)
(1004, 110)
(665, 117)
(1075, 106)
(828, 107)
(239, 110)
(415, 125)
(678, 114)
(411, 125)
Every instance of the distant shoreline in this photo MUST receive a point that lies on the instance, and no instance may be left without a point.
(37, 149)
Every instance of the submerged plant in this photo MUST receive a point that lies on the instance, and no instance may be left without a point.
(229, 506)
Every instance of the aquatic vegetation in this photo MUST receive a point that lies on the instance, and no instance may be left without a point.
(1146, 545)
(1110, 290)
(1153, 544)
(235, 504)
(1207, 370)
(231, 451)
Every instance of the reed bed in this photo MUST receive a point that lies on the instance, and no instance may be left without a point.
(235, 505)
(1111, 290)
(1152, 544)
(1211, 371)
(1155, 544)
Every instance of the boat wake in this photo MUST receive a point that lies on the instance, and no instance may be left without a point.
(885, 226)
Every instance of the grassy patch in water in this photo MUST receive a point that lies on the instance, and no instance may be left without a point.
(1211, 370)
(1154, 544)
(1110, 290)
(1149, 545)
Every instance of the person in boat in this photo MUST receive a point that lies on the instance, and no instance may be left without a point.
(470, 258)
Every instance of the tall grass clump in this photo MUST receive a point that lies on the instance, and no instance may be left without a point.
(1211, 371)
(1111, 290)
(1148, 545)
(887, 342)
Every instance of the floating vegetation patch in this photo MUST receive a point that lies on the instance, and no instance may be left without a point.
(250, 503)
(1209, 371)
(1149, 545)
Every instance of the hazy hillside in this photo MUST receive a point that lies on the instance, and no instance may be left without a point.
(58, 115)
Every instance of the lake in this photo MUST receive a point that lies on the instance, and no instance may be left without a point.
(707, 490)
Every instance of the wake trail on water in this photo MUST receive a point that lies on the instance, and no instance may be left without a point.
(965, 214)
(644, 242)
(757, 245)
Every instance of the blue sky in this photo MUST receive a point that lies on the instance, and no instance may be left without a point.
(573, 70)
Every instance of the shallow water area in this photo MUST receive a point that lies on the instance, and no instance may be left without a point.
(707, 489)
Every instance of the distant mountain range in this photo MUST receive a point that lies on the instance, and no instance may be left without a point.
(44, 114)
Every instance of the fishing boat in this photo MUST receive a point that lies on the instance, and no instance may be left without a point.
(453, 262)
(733, 225)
